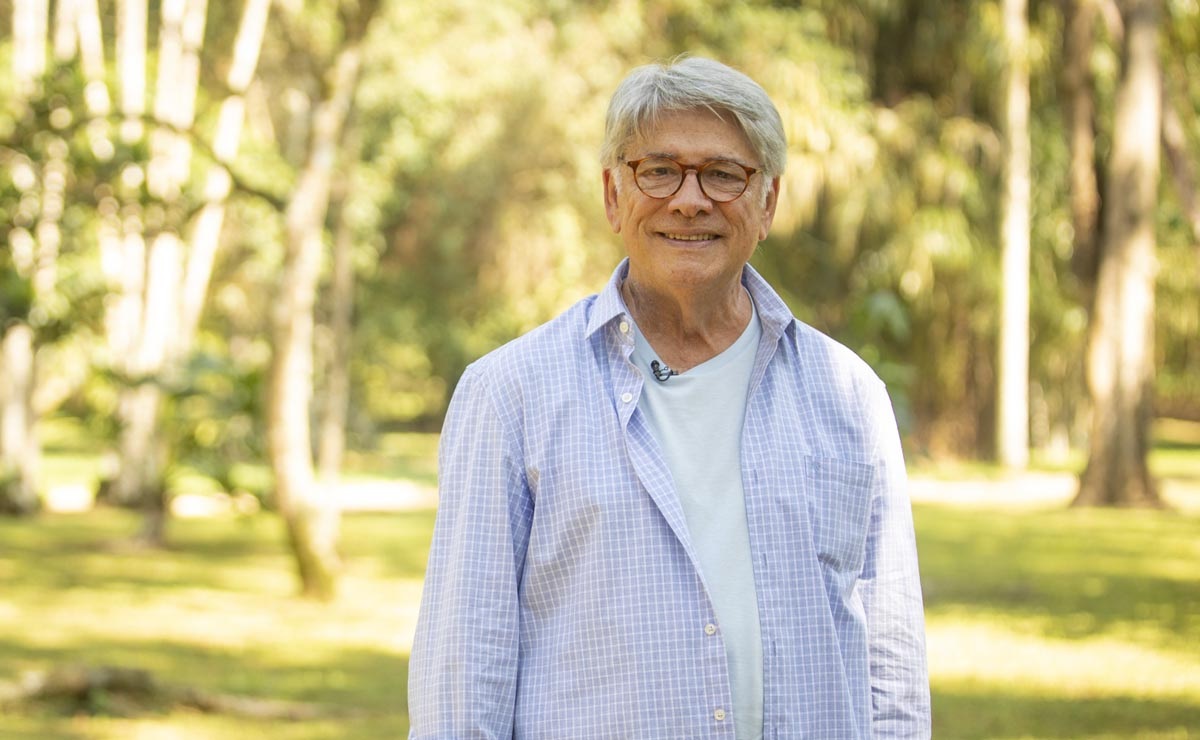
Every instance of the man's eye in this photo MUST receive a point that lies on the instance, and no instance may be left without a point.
(725, 174)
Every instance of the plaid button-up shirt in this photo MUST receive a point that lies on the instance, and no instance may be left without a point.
(563, 598)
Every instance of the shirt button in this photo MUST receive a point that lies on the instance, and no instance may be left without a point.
(624, 327)
(626, 397)
(719, 715)
(710, 629)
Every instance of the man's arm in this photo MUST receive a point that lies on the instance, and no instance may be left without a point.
(891, 592)
(462, 675)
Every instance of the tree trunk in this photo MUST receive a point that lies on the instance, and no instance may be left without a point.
(31, 19)
(207, 229)
(1120, 357)
(124, 263)
(131, 65)
(34, 261)
(18, 438)
(311, 517)
(161, 346)
(1079, 104)
(331, 444)
(1012, 400)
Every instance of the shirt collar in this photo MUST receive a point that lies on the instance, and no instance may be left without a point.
(609, 304)
(773, 313)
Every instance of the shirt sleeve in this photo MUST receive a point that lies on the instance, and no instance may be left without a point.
(463, 669)
(891, 592)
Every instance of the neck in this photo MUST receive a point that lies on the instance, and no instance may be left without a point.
(689, 328)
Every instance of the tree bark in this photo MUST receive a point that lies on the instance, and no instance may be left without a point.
(1120, 356)
(160, 346)
(18, 439)
(311, 517)
(1079, 105)
(124, 263)
(1012, 400)
(331, 443)
(207, 230)
(31, 19)
(132, 20)
(35, 261)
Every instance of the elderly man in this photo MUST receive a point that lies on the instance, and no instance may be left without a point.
(674, 511)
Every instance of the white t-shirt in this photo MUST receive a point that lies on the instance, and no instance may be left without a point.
(697, 418)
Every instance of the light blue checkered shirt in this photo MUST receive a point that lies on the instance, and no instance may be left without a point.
(563, 599)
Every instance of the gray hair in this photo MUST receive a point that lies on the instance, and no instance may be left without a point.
(685, 84)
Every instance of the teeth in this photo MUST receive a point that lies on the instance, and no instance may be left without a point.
(695, 238)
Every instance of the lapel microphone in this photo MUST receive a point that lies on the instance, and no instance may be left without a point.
(661, 371)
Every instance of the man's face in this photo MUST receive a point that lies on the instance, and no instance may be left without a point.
(687, 242)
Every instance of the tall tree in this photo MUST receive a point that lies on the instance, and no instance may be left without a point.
(311, 515)
(1012, 400)
(33, 240)
(1120, 356)
(1079, 108)
(331, 435)
(142, 446)
(162, 288)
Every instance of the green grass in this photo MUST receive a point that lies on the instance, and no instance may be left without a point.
(1062, 624)
(216, 611)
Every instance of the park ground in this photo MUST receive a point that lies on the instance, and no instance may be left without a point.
(1044, 622)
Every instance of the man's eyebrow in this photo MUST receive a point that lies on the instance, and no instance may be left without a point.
(720, 158)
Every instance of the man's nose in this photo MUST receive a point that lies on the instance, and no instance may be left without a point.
(690, 199)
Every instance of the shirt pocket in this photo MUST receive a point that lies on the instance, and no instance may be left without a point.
(839, 504)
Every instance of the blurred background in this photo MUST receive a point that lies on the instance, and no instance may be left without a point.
(247, 248)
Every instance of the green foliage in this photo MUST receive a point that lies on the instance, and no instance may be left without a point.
(16, 292)
(216, 417)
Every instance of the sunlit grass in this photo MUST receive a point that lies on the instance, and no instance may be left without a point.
(1062, 623)
(215, 611)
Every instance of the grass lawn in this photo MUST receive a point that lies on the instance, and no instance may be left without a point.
(1043, 624)
(1063, 623)
(216, 611)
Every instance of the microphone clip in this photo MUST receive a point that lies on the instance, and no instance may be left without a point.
(661, 372)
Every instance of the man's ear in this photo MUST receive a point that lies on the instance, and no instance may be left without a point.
(769, 209)
(611, 210)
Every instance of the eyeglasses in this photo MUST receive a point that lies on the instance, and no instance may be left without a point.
(662, 177)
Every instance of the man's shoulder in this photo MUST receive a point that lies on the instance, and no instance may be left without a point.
(820, 355)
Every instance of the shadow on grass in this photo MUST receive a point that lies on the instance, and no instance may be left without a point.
(356, 688)
(1082, 572)
(990, 713)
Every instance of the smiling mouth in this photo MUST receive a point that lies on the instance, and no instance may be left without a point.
(689, 237)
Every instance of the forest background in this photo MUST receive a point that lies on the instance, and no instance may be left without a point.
(245, 246)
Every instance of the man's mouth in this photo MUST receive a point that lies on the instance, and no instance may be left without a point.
(689, 237)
